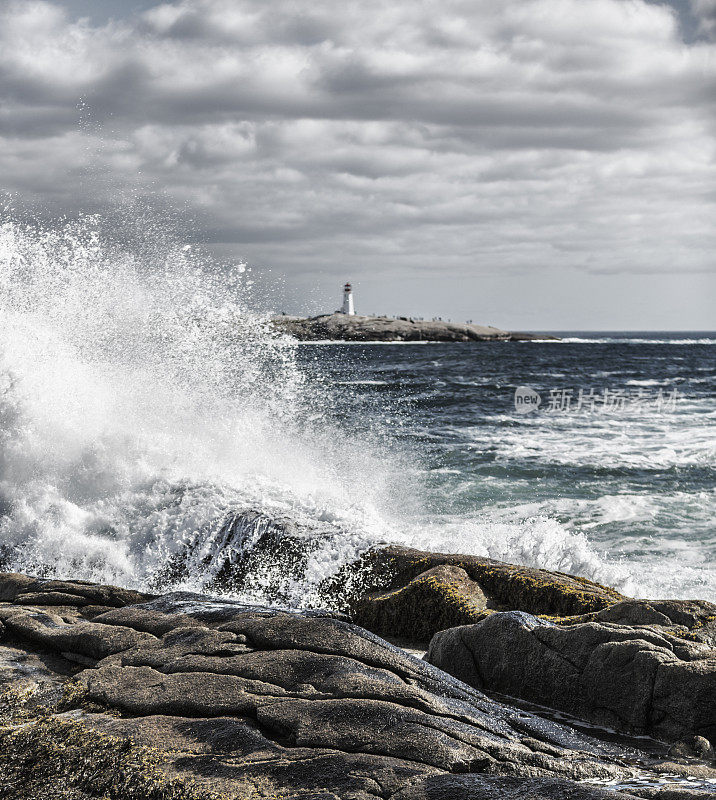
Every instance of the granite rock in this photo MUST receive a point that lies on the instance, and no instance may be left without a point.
(189, 697)
(637, 678)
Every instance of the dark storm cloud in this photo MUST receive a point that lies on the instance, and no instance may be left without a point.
(476, 135)
(705, 13)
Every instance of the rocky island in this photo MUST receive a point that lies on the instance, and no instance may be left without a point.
(113, 693)
(357, 328)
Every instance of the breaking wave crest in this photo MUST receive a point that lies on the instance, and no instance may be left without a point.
(155, 432)
(142, 402)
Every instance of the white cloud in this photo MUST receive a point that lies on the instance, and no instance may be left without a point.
(478, 135)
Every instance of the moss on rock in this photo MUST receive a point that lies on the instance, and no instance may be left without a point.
(387, 591)
(48, 757)
(441, 597)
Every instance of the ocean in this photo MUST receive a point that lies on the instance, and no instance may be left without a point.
(143, 403)
(612, 478)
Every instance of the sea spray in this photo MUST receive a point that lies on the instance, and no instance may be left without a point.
(142, 402)
(146, 411)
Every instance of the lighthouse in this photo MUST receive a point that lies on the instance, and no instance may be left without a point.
(348, 300)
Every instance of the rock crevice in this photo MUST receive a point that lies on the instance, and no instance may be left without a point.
(236, 701)
(637, 679)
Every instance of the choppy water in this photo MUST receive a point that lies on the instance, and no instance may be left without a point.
(142, 402)
(621, 492)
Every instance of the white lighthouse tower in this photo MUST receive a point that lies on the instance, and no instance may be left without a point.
(348, 301)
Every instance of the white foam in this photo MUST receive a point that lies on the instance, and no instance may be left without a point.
(532, 541)
(362, 383)
(141, 400)
(632, 340)
(649, 439)
(617, 551)
(363, 342)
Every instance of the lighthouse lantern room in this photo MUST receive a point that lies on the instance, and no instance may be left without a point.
(348, 300)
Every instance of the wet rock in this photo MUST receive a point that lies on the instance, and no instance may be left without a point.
(393, 590)
(400, 592)
(639, 679)
(397, 591)
(141, 618)
(441, 597)
(693, 620)
(447, 787)
(88, 639)
(24, 670)
(249, 552)
(694, 747)
(22, 589)
(378, 592)
(249, 701)
(12, 584)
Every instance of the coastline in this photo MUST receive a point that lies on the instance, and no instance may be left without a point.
(108, 692)
(340, 327)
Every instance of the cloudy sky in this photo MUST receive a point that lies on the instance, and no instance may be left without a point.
(527, 163)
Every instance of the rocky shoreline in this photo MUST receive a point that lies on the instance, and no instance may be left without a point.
(110, 693)
(355, 328)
